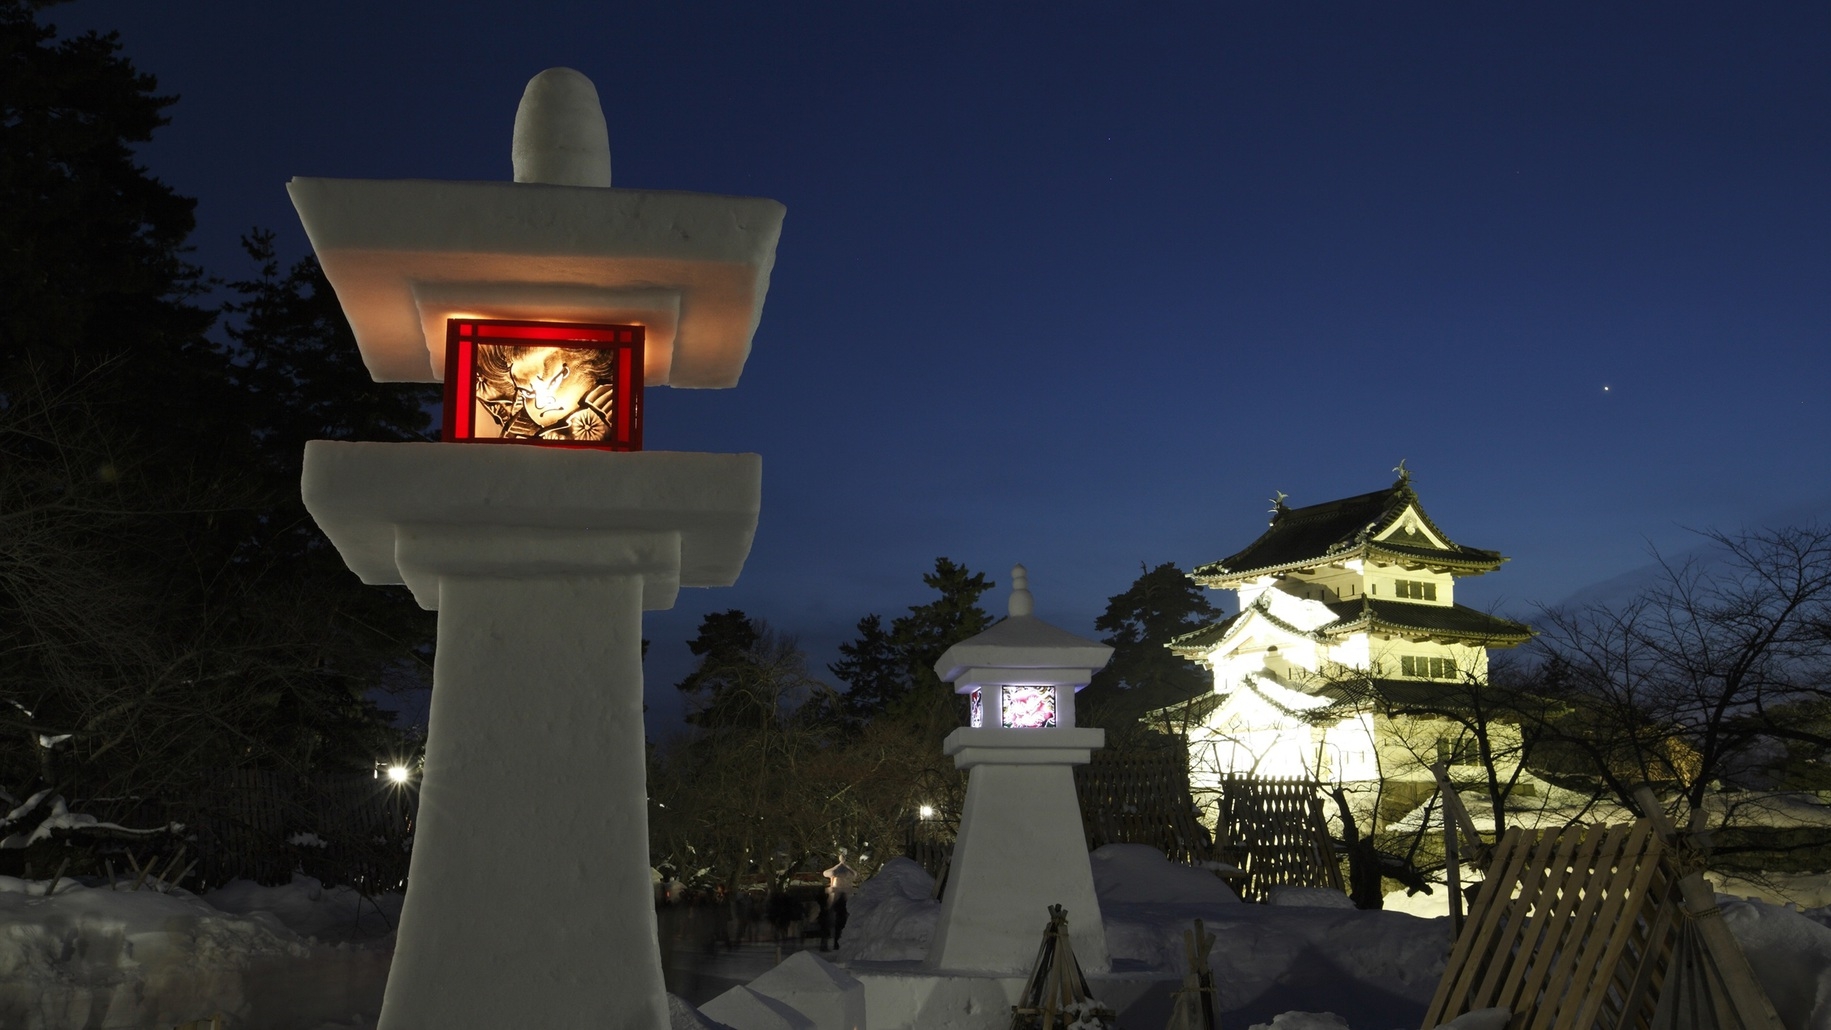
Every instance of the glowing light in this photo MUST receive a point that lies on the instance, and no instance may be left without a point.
(926, 811)
(398, 773)
(1027, 707)
(557, 384)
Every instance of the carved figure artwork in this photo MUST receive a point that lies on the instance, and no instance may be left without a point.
(559, 384)
(1028, 707)
(544, 393)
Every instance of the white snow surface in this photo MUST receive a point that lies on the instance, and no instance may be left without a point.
(1303, 1021)
(306, 957)
(90, 956)
(1138, 874)
(1334, 967)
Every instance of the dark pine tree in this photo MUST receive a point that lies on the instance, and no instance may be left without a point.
(293, 362)
(1160, 605)
(726, 645)
(95, 288)
(892, 671)
(167, 610)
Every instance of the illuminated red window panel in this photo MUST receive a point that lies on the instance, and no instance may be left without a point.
(556, 384)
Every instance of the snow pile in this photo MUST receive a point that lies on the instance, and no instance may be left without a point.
(1380, 966)
(802, 986)
(1800, 890)
(92, 956)
(682, 1016)
(1137, 874)
(1303, 1021)
(309, 909)
(893, 915)
(1790, 953)
(1310, 897)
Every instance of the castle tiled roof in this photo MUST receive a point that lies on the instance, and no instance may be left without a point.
(1442, 621)
(1339, 530)
(1443, 695)
(1364, 614)
(1195, 644)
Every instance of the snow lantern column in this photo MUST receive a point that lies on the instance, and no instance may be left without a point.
(1021, 847)
(540, 531)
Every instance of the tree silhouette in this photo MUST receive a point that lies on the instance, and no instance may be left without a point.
(1160, 605)
(891, 671)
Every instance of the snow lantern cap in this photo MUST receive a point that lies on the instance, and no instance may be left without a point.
(558, 244)
(1022, 649)
(1021, 602)
(560, 136)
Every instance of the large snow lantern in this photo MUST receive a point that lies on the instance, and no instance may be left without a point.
(547, 305)
(560, 384)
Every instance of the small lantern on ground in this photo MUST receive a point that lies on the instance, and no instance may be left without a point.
(1021, 846)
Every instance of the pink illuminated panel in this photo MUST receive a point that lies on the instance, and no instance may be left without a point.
(976, 706)
(1027, 707)
(557, 384)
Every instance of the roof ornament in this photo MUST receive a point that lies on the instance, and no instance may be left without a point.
(1404, 473)
(1278, 506)
(1021, 602)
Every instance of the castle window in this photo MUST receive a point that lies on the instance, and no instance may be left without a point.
(1457, 750)
(1417, 590)
(1430, 668)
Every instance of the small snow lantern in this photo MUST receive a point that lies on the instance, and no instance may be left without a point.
(558, 384)
(1021, 846)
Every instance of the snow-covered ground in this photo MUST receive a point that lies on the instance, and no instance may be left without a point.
(303, 957)
(298, 957)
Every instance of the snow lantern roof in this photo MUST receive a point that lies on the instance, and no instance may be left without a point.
(1022, 649)
(1387, 526)
(559, 243)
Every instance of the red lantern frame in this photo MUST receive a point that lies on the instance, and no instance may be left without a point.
(496, 345)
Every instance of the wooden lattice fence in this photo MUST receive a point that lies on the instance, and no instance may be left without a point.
(1274, 830)
(1600, 928)
(362, 827)
(1142, 797)
(261, 825)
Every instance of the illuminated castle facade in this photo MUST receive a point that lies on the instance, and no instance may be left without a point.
(1347, 615)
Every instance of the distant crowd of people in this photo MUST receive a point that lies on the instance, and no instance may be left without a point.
(722, 918)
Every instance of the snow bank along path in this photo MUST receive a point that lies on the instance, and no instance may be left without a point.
(305, 957)
(1373, 970)
(298, 957)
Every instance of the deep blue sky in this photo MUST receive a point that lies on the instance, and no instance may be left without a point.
(1081, 286)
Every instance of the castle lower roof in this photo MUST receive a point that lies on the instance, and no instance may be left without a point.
(1195, 644)
(1365, 615)
(1441, 621)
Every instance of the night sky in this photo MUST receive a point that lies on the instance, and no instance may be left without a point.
(1082, 286)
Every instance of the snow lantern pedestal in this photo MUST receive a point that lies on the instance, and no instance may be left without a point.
(1021, 847)
(540, 532)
